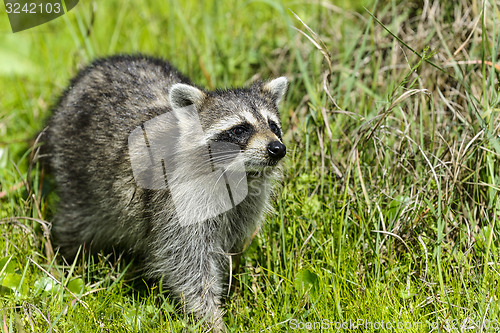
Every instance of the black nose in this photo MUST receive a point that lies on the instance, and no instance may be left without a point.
(276, 149)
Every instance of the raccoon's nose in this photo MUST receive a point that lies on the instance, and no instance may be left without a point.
(276, 149)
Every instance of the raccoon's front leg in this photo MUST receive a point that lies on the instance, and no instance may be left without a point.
(201, 289)
(194, 272)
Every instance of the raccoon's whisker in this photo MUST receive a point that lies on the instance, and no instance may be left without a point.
(214, 189)
(226, 157)
(225, 152)
(217, 151)
(223, 158)
(224, 173)
(201, 165)
(238, 184)
(202, 168)
(208, 155)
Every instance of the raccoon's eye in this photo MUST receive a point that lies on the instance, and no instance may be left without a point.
(274, 128)
(238, 130)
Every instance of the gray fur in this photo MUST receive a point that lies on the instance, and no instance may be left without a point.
(102, 207)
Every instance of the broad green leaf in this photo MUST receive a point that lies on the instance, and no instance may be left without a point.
(76, 286)
(305, 280)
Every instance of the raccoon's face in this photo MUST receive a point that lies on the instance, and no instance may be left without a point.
(245, 120)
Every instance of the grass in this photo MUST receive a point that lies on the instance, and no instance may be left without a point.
(390, 205)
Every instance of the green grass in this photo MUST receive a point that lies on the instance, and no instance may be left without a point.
(389, 210)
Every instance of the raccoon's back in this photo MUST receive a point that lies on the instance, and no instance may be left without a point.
(86, 143)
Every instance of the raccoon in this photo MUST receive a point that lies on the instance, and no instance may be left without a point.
(147, 163)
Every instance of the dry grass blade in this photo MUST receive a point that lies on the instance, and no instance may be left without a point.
(405, 95)
(473, 62)
(85, 305)
(394, 103)
(315, 40)
(320, 45)
(460, 48)
(399, 238)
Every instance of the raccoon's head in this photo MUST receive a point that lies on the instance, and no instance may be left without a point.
(244, 118)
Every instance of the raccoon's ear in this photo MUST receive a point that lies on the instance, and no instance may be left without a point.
(277, 88)
(182, 95)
